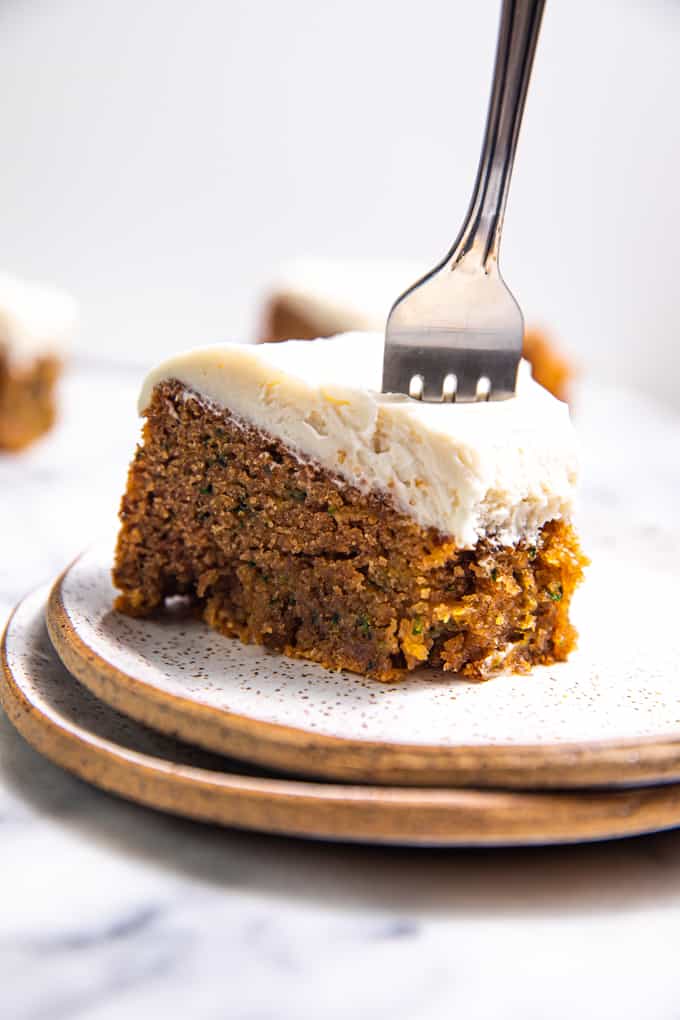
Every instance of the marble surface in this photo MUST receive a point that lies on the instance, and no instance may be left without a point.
(110, 911)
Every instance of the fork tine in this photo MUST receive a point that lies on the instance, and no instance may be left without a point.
(504, 378)
(460, 318)
(433, 365)
(468, 377)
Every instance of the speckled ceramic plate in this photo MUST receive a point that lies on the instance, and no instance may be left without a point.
(610, 716)
(65, 722)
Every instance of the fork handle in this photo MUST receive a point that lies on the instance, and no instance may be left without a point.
(479, 240)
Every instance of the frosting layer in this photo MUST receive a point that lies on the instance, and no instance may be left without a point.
(34, 319)
(499, 469)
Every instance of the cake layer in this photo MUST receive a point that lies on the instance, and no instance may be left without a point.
(36, 323)
(27, 399)
(279, 551)
(498, 470)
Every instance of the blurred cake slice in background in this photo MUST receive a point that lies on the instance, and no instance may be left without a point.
(321, 297)
(36, 326)
(549, 365)
(313, 298)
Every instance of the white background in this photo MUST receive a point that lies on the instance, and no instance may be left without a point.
(160, 158)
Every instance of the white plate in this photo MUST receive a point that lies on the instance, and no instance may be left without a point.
(609, 716)
(65, 722)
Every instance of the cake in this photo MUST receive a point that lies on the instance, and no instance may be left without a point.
(36, 323)
(303, 510)
(322, 297)
(549, 366)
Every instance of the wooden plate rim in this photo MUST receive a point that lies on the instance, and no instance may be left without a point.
(600, 763)
(375, 814)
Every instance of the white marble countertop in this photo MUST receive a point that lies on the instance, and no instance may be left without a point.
(110, 911)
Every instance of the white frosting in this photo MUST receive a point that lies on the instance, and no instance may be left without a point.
(342, 296)
(500, 469)
(34, 319)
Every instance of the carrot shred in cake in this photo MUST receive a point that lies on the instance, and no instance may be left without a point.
(277, 550)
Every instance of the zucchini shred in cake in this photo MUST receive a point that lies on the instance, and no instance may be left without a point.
(305, 511)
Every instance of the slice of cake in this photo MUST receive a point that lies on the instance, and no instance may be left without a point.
(321, 297)
(36, 323)
(304, 510)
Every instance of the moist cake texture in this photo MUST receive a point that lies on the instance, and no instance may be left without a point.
(303, 510)
(35, 325)
(322, 297)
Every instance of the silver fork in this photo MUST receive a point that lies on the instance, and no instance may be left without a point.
(457, 333)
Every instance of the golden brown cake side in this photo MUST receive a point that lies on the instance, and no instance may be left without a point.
(27, 399)
(279, 552)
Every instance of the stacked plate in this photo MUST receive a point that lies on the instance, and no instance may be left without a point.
(167, 713)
